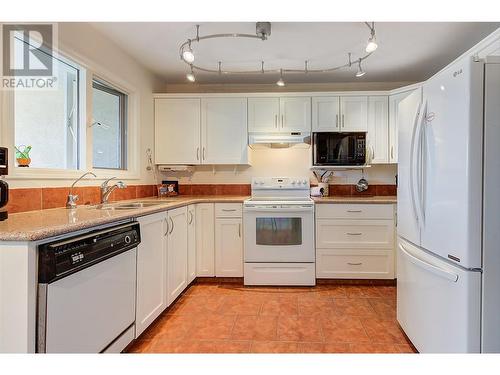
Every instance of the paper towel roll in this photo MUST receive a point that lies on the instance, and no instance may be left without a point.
(317, 191)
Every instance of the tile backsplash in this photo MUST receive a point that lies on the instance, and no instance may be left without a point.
(31, 199)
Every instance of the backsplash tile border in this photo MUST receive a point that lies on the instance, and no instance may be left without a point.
(32, 199)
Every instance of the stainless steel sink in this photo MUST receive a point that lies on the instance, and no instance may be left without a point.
(126, 206)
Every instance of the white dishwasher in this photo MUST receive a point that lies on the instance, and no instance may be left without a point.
(86, 291)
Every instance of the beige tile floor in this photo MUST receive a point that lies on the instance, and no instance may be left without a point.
(229, 318)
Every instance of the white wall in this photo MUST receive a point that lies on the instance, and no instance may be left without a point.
(93, 50)
(285, 162)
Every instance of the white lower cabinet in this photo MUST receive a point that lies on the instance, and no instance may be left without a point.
(228, 240)
(205, 240)
(355, 241)
(151, 291)
(177, 250)
(191, 263)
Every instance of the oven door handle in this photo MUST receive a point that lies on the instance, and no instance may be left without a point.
(279, 209)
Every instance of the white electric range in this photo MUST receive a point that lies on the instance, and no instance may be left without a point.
(279, 232)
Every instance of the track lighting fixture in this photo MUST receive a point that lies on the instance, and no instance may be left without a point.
(372, 41)
(263, 32)
(281, 82)
(360, 72)
(190, 76)
(188, 55)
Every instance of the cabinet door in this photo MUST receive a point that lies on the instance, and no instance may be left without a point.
(228, 247)
(394, 101)
(177, 252)
(378, 129)
(151, 292)
(191, 243)
(224, 131)
(295, 114)
(325, 114)
(177, 131)
(354, 113)
(263, 115)
(205, 246)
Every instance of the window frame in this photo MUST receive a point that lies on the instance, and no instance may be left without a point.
(102, 85)
(88, 70)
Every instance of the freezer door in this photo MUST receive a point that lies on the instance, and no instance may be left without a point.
(438, 304)
(452, 163)
(491, 203)
(408, 117)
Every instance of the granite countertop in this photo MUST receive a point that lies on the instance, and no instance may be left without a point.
(38, 225)
(356, 199)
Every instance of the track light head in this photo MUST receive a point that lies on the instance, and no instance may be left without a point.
(372, 44)
(281, 82)
(190, 76)
(360, 72)
(187, 54)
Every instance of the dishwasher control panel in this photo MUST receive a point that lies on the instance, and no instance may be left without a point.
(63, 257)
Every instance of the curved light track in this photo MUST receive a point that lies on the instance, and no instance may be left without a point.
(263, 36)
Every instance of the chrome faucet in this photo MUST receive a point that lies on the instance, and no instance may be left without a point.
(72, 198)
(107, 190)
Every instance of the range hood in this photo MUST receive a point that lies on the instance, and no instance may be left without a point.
(279, 140)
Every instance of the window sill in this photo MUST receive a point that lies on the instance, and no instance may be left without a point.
(17, 173)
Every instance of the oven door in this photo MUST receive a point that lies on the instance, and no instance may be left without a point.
(279, 233)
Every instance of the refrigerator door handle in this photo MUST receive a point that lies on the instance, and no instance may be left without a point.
(421, 165)
(412, 171)
(415, 153)
(429, 267)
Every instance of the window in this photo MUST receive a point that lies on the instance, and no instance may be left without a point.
(109, 125)
(46, 122)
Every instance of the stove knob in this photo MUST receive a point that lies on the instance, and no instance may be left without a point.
(294, 182)
(128, 239)
(304, 182)
(261, 182)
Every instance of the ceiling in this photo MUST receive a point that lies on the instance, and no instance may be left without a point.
(408, 51)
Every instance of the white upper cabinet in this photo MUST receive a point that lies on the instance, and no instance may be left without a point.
(295, 114)
(263, 115)
(394, 101)
(378, 129)
(326, 114)
(354, 113)
(177, 131)
(279, 115)
(224, 131)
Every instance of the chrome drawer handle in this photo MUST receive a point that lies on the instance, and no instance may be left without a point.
(354, 234)
(228, 210)
(354, 210)
(355, 264)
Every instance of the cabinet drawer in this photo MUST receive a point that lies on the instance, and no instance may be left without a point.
(355, 211)
(358, 234)
(228, 209)
(354, 264)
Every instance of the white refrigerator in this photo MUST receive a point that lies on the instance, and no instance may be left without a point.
(448, 271)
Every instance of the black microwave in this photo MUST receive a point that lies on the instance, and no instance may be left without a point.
(342, 149)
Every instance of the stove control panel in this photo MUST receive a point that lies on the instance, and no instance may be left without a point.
(285, 183)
